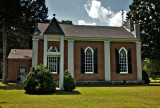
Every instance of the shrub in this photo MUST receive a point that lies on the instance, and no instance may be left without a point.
(69, 82)
(145, 77)
(39, 81)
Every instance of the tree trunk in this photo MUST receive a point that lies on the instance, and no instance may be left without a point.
(4, 76)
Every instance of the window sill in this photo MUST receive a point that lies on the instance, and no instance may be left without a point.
(123, 73)
(54, 73)
(89, 73)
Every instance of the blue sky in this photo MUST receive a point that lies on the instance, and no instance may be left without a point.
(89, 12)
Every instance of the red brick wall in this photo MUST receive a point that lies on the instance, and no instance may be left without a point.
(121, 77)
(40, 51)
(14, 65)
(77, 61)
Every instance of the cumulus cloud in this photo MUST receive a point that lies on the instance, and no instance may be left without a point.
(96, 11)
(81, 22)
(116, 19)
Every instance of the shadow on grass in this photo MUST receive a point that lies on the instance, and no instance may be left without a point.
(60, 92)
(12, 86)
(126, 85)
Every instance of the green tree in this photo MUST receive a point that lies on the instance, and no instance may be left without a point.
(65, 22)
(151, 67)
(18, 17)
(147, 13)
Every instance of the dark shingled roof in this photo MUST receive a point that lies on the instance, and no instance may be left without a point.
(53, 28)
(88, 31)
(20, 54)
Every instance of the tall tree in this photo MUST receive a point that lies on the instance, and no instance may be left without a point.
(65, 22)
(147, 13)
(19, 17)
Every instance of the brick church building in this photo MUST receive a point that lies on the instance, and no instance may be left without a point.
(90, 53)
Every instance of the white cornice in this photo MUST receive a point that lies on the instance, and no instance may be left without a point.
(90, 39)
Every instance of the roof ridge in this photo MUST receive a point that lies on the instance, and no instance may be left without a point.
(92, 26)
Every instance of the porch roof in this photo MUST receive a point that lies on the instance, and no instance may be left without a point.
(20, 54)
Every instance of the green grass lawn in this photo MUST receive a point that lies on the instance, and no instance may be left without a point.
(99, 97)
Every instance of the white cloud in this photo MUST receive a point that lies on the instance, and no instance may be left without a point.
(116, 19)
(96, 11)
(81, 22)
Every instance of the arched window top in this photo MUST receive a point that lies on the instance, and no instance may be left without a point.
(123, 50)
(89, 50)
(52, 49)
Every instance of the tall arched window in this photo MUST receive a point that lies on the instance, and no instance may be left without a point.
(89, 65)
(53, 61)
(123, 62)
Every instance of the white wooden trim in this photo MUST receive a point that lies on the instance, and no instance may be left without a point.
(89, 72)
(35, 52)
(45, 51)
(53, 53)
(54, 72)
(139, 65)
(102, 39)
(90, 38)
(71, 57)
(61, 64)
(107, 65)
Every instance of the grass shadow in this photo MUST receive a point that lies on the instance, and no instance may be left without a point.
(12, 86)
(60, 92)
(124, 85)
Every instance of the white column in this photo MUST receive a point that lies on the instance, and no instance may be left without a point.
(71, 57)
(107, 60)
(61, 64)
(45, 51)
(139, 63)
(35, 52)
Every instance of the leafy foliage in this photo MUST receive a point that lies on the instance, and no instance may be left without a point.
(145, 77)
(65, 22)
(39, 81)
(151, 67)
(69, 82)
(147, 13)
(17, 22)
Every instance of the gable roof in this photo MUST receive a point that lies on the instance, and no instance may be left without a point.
(87, 31)
(20, 54)
(95, 31)
(53, 28)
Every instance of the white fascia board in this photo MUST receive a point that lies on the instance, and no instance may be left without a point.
(89, 39)
(53, 35)
(102, 39)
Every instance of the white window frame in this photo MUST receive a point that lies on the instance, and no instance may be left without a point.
(56, 50)
(92, 60)
(126, 60)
